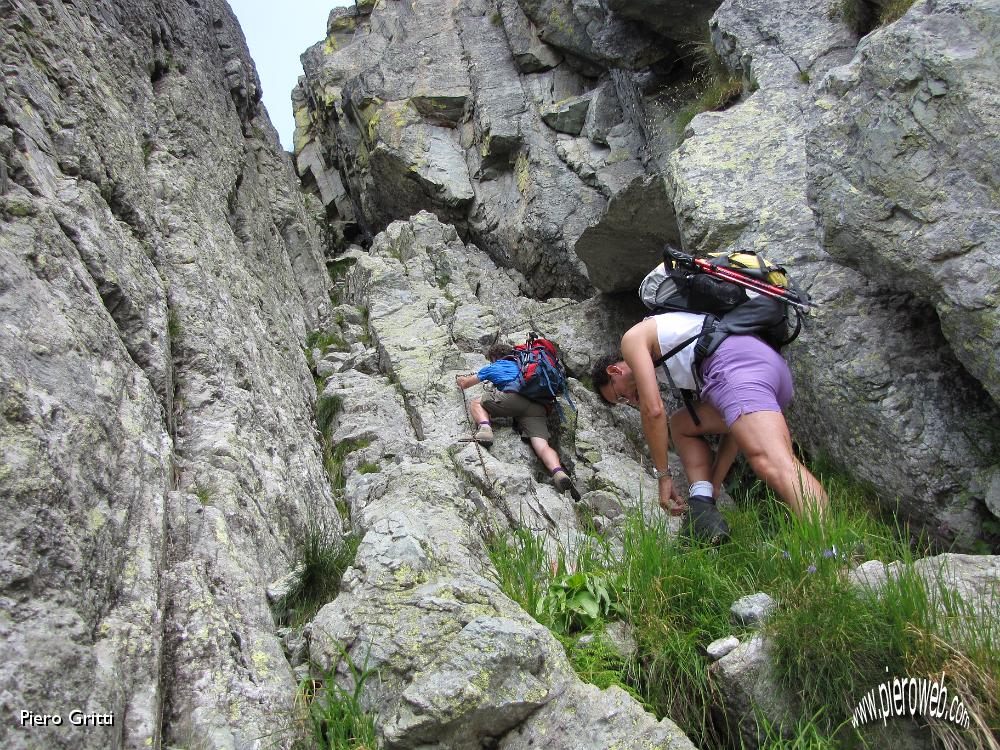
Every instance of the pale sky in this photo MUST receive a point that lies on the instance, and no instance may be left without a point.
(277, 33)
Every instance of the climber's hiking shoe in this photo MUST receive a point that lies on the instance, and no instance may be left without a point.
(563, 482)
(703, 522)
(484, 435)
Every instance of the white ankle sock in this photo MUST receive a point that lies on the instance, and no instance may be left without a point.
(702, 488)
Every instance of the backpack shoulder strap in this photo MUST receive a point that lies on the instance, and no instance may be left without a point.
(707, 327)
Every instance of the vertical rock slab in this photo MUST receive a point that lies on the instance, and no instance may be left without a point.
(85, 465)
(158, 274)
(904, 169)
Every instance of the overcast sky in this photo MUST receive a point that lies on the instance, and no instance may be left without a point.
(277, 33)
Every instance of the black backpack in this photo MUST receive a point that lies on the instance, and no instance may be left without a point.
(738, 293)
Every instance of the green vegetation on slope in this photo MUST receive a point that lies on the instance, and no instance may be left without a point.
(831, 641)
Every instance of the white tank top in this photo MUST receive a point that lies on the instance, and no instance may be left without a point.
(672, 328)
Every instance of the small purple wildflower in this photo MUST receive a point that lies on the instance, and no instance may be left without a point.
(811, 569)
(828, 553)
(785, 554)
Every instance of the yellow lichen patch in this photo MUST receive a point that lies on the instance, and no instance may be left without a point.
(523, 175)
(557, 22)
(261, 662)
(95, 520)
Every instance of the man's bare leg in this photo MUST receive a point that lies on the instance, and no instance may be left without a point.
(764, 439)
(695, 454)
(478, 412)
(546, 453)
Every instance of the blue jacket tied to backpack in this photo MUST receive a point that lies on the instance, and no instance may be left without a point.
(501, 373)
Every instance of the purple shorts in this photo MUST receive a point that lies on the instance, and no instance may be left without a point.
(745, 375)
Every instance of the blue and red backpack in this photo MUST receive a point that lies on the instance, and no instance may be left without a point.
(542, 375)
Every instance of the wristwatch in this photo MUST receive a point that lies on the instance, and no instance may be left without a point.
(657, 474)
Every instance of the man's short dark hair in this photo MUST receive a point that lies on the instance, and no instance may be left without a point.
(599, 374)
(498, 350)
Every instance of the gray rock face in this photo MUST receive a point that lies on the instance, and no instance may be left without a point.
(740, 180)
(589, 31)
(531, 54)
(680, 20)
(904, 170)
(742, 679)
(640, 216)
(158, 272)
(972, 577)
(779, 46)
(567, 116)
(459, 664)
(452, 108)
(722, 646)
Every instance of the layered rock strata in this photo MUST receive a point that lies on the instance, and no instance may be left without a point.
(500, 117)
(457, 663)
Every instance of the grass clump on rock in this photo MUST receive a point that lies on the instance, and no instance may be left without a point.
(893, 11)
(715, 86)
(328, 406)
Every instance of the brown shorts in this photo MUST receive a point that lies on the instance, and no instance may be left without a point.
(530, 415)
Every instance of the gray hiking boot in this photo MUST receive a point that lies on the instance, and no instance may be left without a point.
(703, 522)
(563, 482)
(484, 435)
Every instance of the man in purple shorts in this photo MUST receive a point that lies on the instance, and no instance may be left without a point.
(744, 385)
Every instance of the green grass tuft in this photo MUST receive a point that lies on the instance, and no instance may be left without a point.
(893, 11)
(715, 86)
(328, 406)
(325, 340)
(204, 494)
(600, 664)
(333, 717)
(322, 563)
(338, 268)
(173, 325)
(523, 570)
(830, 641)
(334, 456)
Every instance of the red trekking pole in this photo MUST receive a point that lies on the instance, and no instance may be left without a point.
(739, 278)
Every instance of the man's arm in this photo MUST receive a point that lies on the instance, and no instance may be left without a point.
(467, 381)
(636, 349)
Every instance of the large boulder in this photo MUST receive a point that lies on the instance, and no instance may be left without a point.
(740, 180)
(592, 33)
(627, 242)
(682, 21)
(904, 169)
